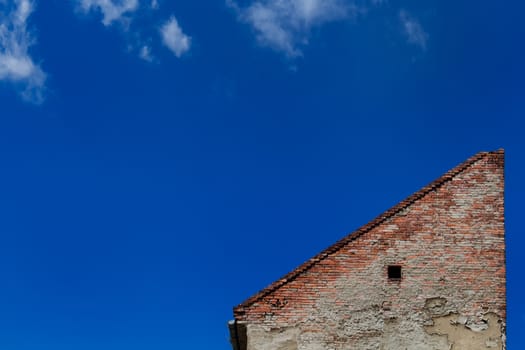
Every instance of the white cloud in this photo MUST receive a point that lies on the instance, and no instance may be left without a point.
(124, 13)
(112, 10)
(174, 38)
(413, 30)
(285, 25)
(145, 53)
(16, 64)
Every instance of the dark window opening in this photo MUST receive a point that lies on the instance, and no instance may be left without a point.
(394, 272)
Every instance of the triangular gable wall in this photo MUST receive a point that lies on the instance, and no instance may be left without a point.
(448, 239)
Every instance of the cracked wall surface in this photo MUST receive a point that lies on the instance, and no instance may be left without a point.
(484, 332)
(451, 296)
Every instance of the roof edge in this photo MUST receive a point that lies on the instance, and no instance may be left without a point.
(449, 175)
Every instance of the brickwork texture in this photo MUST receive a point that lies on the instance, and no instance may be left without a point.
(448, 241)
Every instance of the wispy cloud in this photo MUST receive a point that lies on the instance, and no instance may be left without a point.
(16, 64)
(413, 30)
(285, 25)
(111, 10)
(174, 38)
(145, 53)
(139, 38)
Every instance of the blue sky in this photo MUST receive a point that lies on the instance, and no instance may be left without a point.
(161, 161)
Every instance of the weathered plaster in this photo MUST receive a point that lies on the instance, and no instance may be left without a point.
(464, 333)
(276, 339)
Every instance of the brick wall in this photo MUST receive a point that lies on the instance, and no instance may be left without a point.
(448, 239)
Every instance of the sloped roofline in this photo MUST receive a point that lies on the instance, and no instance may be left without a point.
(449, 175)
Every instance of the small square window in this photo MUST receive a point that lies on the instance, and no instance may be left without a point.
(394, 272)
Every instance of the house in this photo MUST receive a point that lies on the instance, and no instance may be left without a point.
(429, 273)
